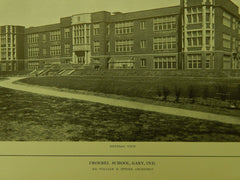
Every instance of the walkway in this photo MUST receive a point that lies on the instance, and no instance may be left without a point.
(117, 102)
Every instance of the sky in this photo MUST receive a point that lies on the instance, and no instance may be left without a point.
(41, 12)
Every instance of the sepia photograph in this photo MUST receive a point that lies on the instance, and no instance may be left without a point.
(124, 73)
(164, 74)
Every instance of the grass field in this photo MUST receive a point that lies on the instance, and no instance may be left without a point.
(31, 117)
(204, 92)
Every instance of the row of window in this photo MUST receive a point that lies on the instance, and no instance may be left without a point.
(164, 23)
(124, 46)
(54, 50)
(194, 61)
(165, 62)
(195, 15)
(164, 43)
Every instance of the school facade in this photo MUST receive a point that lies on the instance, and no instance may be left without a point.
(198, 34)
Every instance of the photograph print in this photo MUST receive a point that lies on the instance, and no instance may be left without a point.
(120, 71)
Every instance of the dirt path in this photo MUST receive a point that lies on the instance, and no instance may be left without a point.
(117, 102)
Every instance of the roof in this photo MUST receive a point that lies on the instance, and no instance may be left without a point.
(44, 28)
(146, 13)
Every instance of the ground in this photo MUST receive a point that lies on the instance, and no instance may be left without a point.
(31, 117)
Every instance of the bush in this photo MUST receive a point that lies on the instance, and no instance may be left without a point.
(166, 93)
(205, 93)
(222, 91)
(178, 92)
(159, 91)
(191, 93)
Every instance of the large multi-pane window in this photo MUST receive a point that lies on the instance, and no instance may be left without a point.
(66, 49)
(194, 38)
(33, 52)
(55, 50)
(164, 23)
(124, 27)
(226, 19)
(3, 39)
(124, 45)
(226, 41)
(194, 61)
(96, 29)
(194, 15)
(164, 43)
(67, 33)
(3, 53)
(96, 46)
(55, 35)
(165, 62)
(81, 34)
(32, 38)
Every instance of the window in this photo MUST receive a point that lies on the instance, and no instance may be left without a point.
(66, 33)
(142, 25)
(194, 15)
(226, 62)
(44, 38)
(108, 46)
(143, 43)
(165, 62)
(124, 46)
(234, 24)
(143, 62)
(226, 19)
(96, 29)
(55, 50)
(32, 38)
(164, 23)
(194, 61)
(234, 43)
(108, 29)
(81, 34)
(96, 46)
(164, 43)
(33, 65)
(124, 27)
(208, 38)
(66, 49)
(55, 35)
(226, 41)
(44, 52)
(208, 59)
(3, 39)
(33, 52)
(81, 60)
(194, 38)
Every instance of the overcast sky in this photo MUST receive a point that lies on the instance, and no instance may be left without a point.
(41, 12)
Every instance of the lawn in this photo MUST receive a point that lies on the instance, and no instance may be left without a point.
(31, 117)
(216, 95)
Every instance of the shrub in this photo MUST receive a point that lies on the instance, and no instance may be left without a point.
(178, 92)
(205, 93)
(222, 91)
(191, 93)
(166, 93)
(159, 91)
